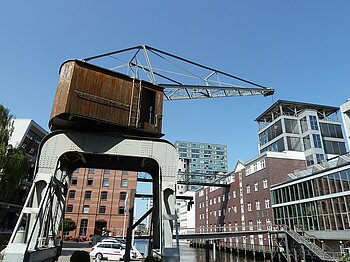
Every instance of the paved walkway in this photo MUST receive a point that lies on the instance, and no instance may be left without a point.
(70, 247)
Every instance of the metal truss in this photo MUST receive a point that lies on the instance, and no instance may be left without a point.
(180, 77)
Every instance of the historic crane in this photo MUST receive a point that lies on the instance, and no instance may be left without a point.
(107, 113)
(180, 77)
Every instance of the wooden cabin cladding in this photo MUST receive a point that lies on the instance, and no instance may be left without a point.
(94, 98)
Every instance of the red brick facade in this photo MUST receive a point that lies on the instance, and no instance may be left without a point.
(96, 200)
(246, 204)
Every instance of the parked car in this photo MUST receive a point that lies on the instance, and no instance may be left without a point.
(134, 253)
(107, 250)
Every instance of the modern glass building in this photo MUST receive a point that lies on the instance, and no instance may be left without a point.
(317, 201)
(294, 126)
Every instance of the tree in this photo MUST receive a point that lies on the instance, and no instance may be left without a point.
(13, 161)
(68, 225)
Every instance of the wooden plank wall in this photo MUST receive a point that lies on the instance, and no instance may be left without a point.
(101, 95)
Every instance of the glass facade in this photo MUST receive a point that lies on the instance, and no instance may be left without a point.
(270, 133)
(320, 203)
(306, 132)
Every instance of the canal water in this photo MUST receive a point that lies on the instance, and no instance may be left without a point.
(189, 254)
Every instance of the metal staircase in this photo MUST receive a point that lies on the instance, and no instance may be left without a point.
(310, 245)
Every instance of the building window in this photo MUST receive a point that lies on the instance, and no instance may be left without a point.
(331, 130)
(86, 209)
(333, 147)
(105, 182)
(102, 209)
(263, 163)
(223, 198)
(72, 194)
(90, 181)
(74, 181)
(248, 189)
(291, 126)
(210, 202)
(306, 142)
(124, 182)
(122, 196)
(313, 123)
(106, 171)
(317, 140)
(83, 227)
(121, 210)
(265, 183)
(303, 124)
(319, 158)
(309, 160)
(234, 194)
(104, 195)
(91, 170)
(256, 187)
(69, 209)
(267, 203)
(87, 194)
(249, 206)
(257, 204)
(214, 200)
(219, 199)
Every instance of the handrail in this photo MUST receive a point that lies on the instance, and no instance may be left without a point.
(328, 247)
(310, 245)
(228, 229)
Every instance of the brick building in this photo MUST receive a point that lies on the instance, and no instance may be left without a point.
(292, 136)
(246, 204)
(97, 200)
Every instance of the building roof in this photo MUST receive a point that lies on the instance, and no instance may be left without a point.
(21, 128)
(338, 161)
(293, 108)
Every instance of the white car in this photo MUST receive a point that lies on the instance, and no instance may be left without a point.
(107, 250)
(134, 253)
(110, 251)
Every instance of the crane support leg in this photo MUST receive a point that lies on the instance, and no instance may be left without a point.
(36, 235)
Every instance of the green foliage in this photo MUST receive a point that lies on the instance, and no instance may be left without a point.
(6, 129)
(152, 259)
(13, 161)
(68, 225)
(344, 257)
(80, 256)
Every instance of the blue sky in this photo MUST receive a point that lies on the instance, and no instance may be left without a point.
(300, 48)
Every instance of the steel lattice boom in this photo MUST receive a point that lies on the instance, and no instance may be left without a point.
(180, 78)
